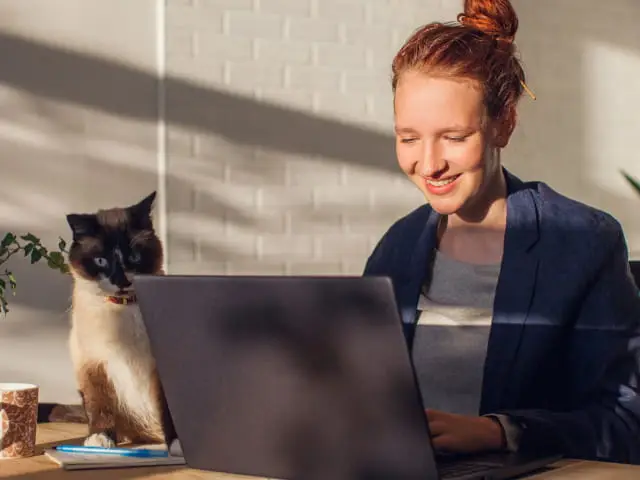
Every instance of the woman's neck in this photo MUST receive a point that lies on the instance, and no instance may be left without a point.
(477, 234)
(489, 210)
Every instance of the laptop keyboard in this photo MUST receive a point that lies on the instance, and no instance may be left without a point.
(456, 469)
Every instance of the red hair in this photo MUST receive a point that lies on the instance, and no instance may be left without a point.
(479, 47)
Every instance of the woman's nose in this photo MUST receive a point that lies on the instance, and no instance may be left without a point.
(432, 162)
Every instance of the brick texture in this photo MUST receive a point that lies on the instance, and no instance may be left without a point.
(300, 187)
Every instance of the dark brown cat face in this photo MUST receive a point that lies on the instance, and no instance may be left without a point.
(110, 246)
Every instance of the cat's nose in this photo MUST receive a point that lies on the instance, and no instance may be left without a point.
(121, 282)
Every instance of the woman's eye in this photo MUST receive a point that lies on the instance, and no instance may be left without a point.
(456, 139)
(100, 261)
(408, 140)
(134, 257)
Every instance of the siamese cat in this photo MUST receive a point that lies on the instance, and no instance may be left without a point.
(114, 368)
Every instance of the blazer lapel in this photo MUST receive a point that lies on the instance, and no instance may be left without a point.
(513, 296)
(417, 273)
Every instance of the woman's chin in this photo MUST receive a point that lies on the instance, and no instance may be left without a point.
(448, 206)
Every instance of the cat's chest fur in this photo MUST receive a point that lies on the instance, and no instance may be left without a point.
(115, 336)
(108, 329)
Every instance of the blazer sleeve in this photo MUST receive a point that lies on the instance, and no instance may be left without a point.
(602, 420)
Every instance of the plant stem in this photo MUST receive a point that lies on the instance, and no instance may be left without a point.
(9, 253)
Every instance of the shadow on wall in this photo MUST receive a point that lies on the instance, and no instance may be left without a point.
(552, 134)
(109, 87)
(57, 82)
(552, 38)
(572, 56)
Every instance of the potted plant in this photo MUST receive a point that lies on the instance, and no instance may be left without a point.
(31, 248)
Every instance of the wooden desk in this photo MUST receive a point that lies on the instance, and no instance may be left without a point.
(40, 468)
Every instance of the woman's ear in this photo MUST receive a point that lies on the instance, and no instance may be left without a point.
(502, 130)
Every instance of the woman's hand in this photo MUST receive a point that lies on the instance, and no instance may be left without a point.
(452, 433)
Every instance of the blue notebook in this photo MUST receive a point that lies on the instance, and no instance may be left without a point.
(83, 461)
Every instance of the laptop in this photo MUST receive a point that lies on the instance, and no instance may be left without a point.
(296, 378)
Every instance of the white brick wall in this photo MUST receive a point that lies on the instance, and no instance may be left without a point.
(312, 193)
(277, 209)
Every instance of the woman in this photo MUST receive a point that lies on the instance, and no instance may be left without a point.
(518, 305)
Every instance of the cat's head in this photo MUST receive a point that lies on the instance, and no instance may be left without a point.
(110, 246)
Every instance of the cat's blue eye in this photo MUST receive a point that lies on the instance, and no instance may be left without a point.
(134, 257)
(100, 261)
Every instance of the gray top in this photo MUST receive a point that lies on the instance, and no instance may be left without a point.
(452, 333)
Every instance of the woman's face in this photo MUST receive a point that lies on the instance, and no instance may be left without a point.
(443, 142)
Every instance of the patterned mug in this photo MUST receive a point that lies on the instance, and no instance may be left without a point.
(18, 419)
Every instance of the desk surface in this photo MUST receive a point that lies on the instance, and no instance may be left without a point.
(49, 434)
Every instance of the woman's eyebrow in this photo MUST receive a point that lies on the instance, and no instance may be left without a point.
(405, 130)
(458, 128)
(447, 129)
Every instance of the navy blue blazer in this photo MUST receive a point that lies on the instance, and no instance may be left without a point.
(563, 358)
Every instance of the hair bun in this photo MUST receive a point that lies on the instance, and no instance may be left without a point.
(493, 17)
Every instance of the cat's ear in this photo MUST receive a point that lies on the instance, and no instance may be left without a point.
(83, 224)
(141, 212)
(144, 207)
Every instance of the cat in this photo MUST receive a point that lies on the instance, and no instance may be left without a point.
(115, 371)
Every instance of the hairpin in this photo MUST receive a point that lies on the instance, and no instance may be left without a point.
(531, 94)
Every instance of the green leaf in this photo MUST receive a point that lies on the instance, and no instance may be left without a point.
(35, 256)
(62, 244)
(28, 249)
(8, 239)
(632, 181)
(56, 258)
(30, 237)
(3, 285)
(12, 280)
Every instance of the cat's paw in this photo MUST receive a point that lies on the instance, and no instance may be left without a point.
(175, 448)
(99, 440)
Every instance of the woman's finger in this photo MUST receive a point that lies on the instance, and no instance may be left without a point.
(437, 427)
(433, 414)
(444, 443)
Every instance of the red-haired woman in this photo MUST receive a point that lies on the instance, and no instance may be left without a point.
(518, 305)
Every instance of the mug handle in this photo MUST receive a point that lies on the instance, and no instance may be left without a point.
(4, 424)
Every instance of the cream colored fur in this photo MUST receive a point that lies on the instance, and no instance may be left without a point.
(115, 335)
